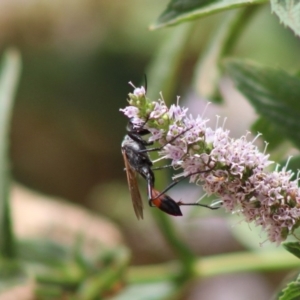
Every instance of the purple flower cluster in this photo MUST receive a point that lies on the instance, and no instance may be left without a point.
(232, 169)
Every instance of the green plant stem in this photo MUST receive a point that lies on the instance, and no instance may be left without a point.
(10, 70)
(161, 75)
(164, 70)
(217, 265)
(183, 252)
(208, 70)
(238, 27)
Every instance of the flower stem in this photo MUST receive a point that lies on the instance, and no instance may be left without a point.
(185, 255)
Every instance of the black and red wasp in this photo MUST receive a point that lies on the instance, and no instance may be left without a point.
(137, 161)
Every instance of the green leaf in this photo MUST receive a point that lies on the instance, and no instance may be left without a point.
(11, 274)
(41, 251)
(269, 132)
(288, 12)
(293, 248)
(274, 94)
(10, 71)
(292, 291)
(185, 10)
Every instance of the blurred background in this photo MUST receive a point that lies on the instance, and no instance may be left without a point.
(78, 57)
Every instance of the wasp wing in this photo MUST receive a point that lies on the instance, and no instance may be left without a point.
(133, 188)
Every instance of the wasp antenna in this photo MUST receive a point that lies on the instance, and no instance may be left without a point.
(130, 83)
